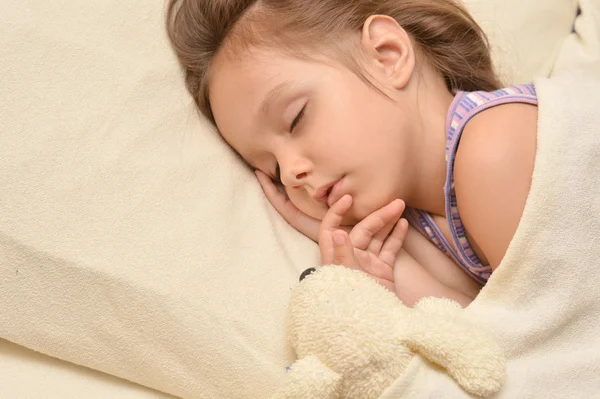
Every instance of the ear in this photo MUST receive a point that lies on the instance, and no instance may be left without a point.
(386, 43)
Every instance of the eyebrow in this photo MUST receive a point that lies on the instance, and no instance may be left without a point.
(273, 95)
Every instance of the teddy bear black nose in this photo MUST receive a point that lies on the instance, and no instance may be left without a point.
(307, 272)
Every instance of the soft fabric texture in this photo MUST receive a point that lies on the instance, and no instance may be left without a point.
(25, 374)
(542, 304)
(525, 35)
(132, 241)
(354, 338)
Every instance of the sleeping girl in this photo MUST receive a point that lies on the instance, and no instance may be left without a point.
(397, 148)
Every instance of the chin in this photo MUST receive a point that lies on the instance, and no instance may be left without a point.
(318, 214)
(356, 213)
(361, 210)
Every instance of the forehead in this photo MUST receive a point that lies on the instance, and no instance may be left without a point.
(237, 86)
(241, 82)
(250, 75)
(235, 76)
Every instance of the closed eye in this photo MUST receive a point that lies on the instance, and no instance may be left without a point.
(297, 119)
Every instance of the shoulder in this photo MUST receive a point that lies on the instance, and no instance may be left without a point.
(492, 173)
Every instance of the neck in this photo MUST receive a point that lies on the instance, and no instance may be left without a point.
(433, 102)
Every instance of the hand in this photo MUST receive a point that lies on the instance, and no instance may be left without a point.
(305, 224)
(370, 246)
(367, 236)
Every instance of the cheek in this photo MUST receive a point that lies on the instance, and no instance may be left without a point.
(306, 205)
(365, 135)
(373, 195)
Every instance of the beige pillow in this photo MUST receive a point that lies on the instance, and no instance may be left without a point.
(525, 35)
(28, 374)
(132, 241)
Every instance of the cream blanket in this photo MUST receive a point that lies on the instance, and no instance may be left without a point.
(543, 302)
(132, 241)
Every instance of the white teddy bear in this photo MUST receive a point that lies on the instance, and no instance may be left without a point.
(354, 338)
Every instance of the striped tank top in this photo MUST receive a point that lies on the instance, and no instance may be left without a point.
(464, 107)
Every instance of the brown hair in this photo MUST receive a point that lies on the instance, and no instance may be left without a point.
(442, 31)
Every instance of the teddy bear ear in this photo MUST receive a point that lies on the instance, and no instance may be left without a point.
(310, 378)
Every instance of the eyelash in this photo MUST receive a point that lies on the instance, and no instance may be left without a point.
(297, 119)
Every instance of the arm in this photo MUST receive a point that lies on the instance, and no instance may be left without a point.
(374, 252)
(413, 282)
(438, 264)
(493, 170)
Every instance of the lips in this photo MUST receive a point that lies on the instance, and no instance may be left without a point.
(323, 192)
(335, 193)
(329, 193)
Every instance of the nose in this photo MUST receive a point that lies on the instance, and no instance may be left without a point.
(294, 170)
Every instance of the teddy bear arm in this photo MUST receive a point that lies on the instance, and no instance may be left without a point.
(308, 377)
(476, 363)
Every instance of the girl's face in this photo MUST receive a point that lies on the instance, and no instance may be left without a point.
(317, 127)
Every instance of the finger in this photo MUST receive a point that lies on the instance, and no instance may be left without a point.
(393, 243)
(373, 266)
(305, 224)
(335, 214)
(362, 234)
(382, 273)
(326, 247)
(396, 209)
(378, 239)
(277, 198)
(343, 252)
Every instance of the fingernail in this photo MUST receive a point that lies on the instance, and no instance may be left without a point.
(338, 238)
